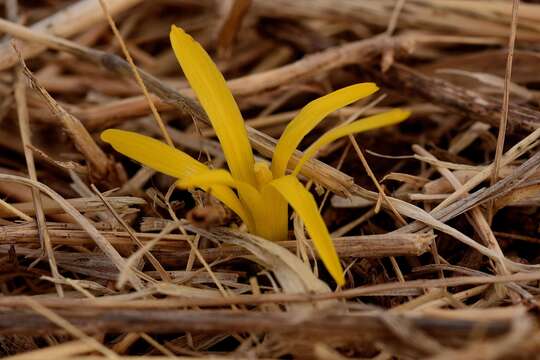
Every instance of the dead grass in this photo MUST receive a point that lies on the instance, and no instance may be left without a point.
(436, 221)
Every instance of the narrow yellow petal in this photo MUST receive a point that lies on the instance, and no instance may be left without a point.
(275, 224)
(262, 174)
(254, 201)
(312, 114)
(218, 102)
(207, 178)
(368, 123)
(305, 206)
(153, 153)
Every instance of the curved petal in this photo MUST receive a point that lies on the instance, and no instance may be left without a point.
(218, 102)
(369, 123)
(153, 153)
(262, 174)
(173, 162)
(311, 115)
(259, 211)
(305, 206)
(276, 225)
(207, 178)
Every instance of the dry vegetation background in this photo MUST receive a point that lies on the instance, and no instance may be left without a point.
(436, 219)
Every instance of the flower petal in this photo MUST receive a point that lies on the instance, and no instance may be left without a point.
(368, 123)
(276, 224)
(259, 211)
(305, 206)
(153, 153)
(218, 102)
(312, 114)
(207, 178)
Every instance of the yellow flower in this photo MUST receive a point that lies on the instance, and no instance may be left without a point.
(258, 193)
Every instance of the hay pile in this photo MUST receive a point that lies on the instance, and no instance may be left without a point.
(436, 220)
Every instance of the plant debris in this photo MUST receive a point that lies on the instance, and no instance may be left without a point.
(435, 220)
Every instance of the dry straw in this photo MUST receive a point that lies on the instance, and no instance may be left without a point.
(430, 226)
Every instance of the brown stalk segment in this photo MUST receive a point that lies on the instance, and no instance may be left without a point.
(349, 328)
(81, 204)
(457, 99)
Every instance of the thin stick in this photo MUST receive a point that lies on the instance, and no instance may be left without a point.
(157, 345)
(83, 204)
(24, 128)
(374, 180)
(140, 82)
(67, 349)
(394, 17)
(506, 101)
(12, 209)
(382, 194)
